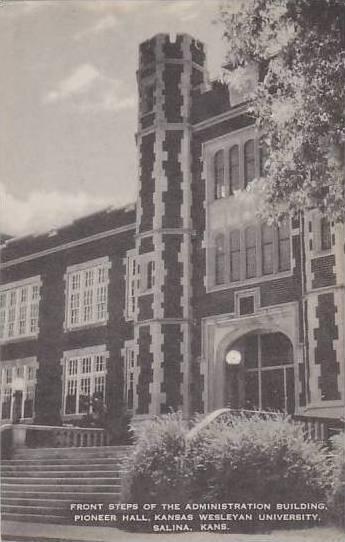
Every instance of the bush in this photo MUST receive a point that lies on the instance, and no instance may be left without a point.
(156, 470)
(258, 460)
(240, 460)
(336, 500)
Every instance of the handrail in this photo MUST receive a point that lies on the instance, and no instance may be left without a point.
(315, 428)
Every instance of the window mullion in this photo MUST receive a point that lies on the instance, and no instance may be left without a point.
(243, 255)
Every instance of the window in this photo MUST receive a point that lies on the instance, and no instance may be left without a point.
(250, 240)
(18, 383)
(253, 252)
(235, 255)
(87, 293)
(234, 169)
(284, 247)
(19, 309)
(129, 377)
(325, 234)
(246, 305)
(220, 260)
(239, 161)
(267, 249)
(131, 287)
(150, 274)
(266, 379)
(219, 181)
(148, 99)
(263, 156)
(85, 375)
(249, 162)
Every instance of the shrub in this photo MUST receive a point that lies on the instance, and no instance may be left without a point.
(255, 459)
(336, 500)
(243, 460)
(156, 471)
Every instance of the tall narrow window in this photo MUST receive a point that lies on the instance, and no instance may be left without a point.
(267, 249)
(131, 287)
(235, 256)
(249, 162)
(129, 377)
(150, 275)
(325, 234)
(234, 169)
(263, 156)
(220, 260)
(219, 182)
(250, 237)
(284, 247)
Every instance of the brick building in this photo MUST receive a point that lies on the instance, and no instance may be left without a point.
(182, 300)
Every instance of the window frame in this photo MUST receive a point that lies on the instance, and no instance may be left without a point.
(225, 144)
(18, 311)
(29, 385)
(243, 278)
(79, 376)
(77, 284)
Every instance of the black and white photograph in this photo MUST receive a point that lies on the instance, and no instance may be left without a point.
(172, 270)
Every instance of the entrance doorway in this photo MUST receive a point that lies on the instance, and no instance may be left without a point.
(259, 373)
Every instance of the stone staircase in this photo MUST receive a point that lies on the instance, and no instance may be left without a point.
(38, 485)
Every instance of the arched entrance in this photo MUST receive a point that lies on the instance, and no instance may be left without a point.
(259, 372)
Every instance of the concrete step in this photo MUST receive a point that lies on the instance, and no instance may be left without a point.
(63, 466)
(47, 509)
(84, 496)
(94, 451)
(17, 477)
(35, 518)
(39, 485)
(70, 488)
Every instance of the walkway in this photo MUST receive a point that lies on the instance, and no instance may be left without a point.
(34, 532)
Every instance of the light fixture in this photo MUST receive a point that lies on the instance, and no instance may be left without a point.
(233, 357)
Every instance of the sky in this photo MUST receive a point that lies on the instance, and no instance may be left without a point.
(68, 101)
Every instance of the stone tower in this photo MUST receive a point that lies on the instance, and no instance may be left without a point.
(168, 75)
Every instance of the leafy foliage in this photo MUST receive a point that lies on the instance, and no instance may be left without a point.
(238, 460)
(336, 503)
(256, 459)
(299, 103)
(156, 471)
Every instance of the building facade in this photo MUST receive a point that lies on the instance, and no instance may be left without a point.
(183, 300)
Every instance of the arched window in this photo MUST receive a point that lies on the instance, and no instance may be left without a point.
(325, 234)
(284, 247)
(235, 255)
(263, 156)
(219, 182)
(249, 162)
(220, 260)
(267, 249)
(250, 236)
(234, 169)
